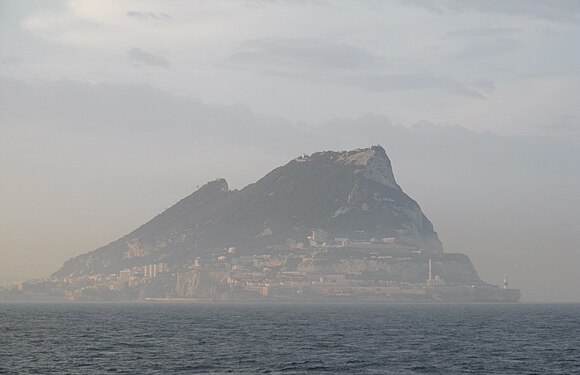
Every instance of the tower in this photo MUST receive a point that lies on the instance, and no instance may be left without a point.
(505, 280)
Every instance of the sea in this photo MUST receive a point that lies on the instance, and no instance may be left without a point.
(240, 338)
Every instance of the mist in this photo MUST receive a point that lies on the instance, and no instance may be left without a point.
(509, 202)
(110, 112)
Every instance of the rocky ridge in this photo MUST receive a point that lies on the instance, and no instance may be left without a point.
(348, 194)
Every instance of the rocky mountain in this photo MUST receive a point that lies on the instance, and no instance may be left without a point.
(349, 194)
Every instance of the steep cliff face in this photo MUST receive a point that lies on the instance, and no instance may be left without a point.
(343, 193)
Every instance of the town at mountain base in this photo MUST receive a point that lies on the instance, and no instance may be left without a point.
(331, 226)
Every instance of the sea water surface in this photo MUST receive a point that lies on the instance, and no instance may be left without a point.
(79, 338)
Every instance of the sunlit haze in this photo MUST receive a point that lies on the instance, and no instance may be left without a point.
(112, 111)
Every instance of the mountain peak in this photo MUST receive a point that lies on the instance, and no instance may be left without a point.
(363, 156)
(371, 163)
(376, 165)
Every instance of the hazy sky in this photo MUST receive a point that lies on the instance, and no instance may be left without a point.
(111, 111)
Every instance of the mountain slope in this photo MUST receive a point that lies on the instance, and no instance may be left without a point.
(346, 194)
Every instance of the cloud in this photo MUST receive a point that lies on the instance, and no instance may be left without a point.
(388, 82)
(483, 43)
(483, 32)
(110, 109)
(302, 53)
(558, 11)
(265, 3)
(124, 110)
(60, 25)
(9, 60)
(322, 61)
(150, 16)
(565, 123)
(147, 57)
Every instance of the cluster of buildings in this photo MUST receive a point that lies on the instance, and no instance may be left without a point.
(325, 268)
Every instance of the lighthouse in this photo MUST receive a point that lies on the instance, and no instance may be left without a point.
(505, 280)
